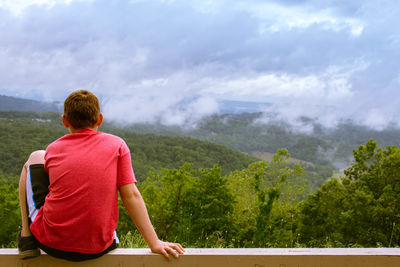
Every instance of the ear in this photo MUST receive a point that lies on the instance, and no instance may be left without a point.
(99, 120)
(65, 121)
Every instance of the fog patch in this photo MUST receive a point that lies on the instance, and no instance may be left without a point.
(166, 110)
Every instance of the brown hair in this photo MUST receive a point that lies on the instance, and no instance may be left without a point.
(82, 109)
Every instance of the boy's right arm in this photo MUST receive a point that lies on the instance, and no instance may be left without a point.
(136, 208)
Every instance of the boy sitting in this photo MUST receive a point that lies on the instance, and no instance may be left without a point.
(69, 193)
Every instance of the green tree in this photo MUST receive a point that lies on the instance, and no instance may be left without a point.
(165, 196)
(10, 216)
(260, 191)
(360, 209)
(188, 205)
(321, 218)
(212, 207)
(373, 182)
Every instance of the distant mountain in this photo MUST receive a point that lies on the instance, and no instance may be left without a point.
(14, 103)
(239, 127)
(22, 132)
(247, 133)
(237, 107)
(22, 104)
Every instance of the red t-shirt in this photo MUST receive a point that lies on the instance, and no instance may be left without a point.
(85, 170)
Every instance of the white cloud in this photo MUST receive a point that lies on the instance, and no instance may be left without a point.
(292, 113)
(167, 110)
(377, 118)
(18, 6)
(329, 86)
(159, 100)
(203, 106)
(278, 18)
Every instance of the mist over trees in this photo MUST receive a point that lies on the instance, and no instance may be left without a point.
(256, 133)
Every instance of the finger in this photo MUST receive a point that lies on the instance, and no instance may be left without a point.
(181, 248)
(165, 253)
(178, 248)
(172, 251)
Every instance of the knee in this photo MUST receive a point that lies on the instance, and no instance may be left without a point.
(37, 154)
(36, 157)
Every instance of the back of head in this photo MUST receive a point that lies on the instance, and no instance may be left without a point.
(82, 109)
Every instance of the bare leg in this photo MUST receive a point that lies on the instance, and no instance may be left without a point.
(37, 157)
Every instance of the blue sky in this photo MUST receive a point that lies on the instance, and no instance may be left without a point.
(328, 60)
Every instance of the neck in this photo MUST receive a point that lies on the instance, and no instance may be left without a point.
(73, 130)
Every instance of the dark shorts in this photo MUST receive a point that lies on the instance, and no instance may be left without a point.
(37, 188)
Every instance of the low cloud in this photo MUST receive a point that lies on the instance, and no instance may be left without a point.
(329, 86)
(167, 111)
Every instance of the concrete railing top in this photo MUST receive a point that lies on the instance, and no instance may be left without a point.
(254, 257)
(249, 251)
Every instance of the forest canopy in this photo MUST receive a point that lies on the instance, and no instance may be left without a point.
(205, 195)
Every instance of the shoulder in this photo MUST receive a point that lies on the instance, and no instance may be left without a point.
(110, 140)
(113, 139)
(56, 143)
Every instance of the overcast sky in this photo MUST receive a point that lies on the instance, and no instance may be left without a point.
(329, 60)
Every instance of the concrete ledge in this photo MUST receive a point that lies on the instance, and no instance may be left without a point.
(388, 257)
